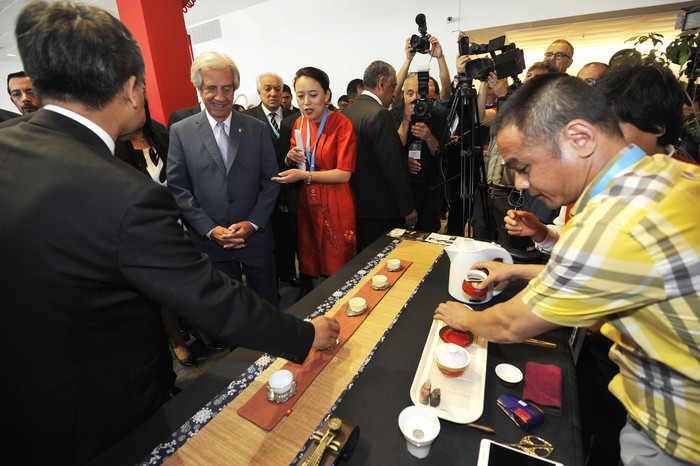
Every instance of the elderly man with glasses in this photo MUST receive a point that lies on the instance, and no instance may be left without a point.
(561, 53)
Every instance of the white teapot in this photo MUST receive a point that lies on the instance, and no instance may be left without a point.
(463, 254)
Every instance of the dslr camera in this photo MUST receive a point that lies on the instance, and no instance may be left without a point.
(423, 104)
(510, 62)
(420, 43)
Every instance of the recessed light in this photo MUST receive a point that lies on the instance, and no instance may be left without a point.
(11, 55)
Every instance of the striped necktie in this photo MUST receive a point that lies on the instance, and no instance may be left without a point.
(222, 142)
(273, 120)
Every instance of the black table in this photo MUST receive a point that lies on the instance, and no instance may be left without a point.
(382, 390)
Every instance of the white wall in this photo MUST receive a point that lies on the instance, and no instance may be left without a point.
(343, 37)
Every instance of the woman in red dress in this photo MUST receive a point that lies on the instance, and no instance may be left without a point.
(326, 160)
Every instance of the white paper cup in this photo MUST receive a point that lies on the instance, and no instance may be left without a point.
(419, 427)
(281, 381)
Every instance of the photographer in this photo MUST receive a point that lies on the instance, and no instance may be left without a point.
(435, 51)
(420, 134)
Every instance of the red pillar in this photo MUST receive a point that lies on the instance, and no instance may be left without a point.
(159, 28)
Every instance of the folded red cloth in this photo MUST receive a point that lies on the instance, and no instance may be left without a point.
(543, 386)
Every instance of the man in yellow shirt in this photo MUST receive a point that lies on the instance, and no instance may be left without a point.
(630, 255)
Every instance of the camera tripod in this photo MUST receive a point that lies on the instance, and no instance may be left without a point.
(463, 121)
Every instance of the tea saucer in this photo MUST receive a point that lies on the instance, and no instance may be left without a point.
(399, 268)
(508, 374)
(351, 313)
(379, 288)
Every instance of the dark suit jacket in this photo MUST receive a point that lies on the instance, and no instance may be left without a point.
(88, 246)
(179, 115)
(261, 113)
(208, 195)
(381, 181)
(7, 115)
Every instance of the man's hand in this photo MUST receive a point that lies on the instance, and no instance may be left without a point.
(326, 331)
(410, 53)
(421, 131)
(233, 237)
(498, 272)
(223, 237)
(413, 166)
(499, 86)
(436, 49)
(462, 63)
(411, 219)
(521, 223)
(453, 314)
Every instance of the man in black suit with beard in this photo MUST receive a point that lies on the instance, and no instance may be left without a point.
(381, 181)
(90, 249)
(270, 89)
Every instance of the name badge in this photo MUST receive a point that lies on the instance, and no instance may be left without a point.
(414, 149)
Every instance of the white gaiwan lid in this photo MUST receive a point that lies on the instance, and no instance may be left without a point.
(452, 356)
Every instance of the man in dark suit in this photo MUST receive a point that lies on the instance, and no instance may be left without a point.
(7, 115)
(220, 169)
(183, 113)
(270, 89)
(91, 249)
(381, 181)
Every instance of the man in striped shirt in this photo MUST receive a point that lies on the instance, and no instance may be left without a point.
(629, 256)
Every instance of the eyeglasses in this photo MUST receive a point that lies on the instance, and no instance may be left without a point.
(556, 55)
(516, 199)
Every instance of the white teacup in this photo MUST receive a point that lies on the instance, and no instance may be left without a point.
(392, 265)
(379, 281)
(419, 427)
(281, 381)
(357, 304)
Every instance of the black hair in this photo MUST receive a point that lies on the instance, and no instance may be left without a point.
(317, 75)
(376, 70)
(343, 98)
(351, 89)
(16, 74)
(285, 88)
(542, 106)
(76, 52)
(435, 83)
(646, 96)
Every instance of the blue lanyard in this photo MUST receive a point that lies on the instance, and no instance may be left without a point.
(312, 159)
(632, 156)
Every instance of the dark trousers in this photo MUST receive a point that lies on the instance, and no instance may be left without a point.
(284, 227)
(259, 275)
(602, 415)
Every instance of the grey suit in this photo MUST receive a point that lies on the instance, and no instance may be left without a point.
(209, 195)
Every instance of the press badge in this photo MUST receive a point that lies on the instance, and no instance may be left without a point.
(414, 149)
(313, 195)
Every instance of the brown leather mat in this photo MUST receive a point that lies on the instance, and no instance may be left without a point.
(266, 414)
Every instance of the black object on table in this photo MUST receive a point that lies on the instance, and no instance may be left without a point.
(382, 390)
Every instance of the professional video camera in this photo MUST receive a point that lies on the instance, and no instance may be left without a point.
(510, 62)
(420, 43)
(423, 104)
